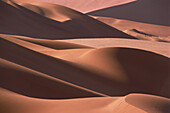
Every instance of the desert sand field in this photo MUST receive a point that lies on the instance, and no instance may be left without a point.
(84, 56)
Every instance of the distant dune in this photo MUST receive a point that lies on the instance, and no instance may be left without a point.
(56, 59)
(88, 5)
(146, 11)
(139, 30)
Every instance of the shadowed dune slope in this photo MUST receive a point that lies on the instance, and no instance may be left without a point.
(136, 68)
(123, 69)
(146, 11)
(129, 103)
(35, 84)
(16, 17)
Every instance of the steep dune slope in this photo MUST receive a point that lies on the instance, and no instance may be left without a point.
(35, 25)
(35, 84)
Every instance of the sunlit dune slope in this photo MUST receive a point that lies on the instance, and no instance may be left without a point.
(88, 5)
(133, 103)
(55, 44)
(156, 47)
(138, 29)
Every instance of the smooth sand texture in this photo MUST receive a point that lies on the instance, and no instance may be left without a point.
(55, 59)
(88, 5)
(133, 103)
(146, 11)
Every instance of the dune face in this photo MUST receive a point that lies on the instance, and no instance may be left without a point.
(78, 25)
(55, 59)
(35, 84)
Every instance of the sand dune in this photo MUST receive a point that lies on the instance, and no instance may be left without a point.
(55, 44)
(156, 47)
(146, 11)
(90, 5)
(35, 84)
(88, 105)
(35, 25)
(138, 29)
(106, 67)
(55, 59)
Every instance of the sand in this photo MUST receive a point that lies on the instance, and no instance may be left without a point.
(71, 57)
(145, 11)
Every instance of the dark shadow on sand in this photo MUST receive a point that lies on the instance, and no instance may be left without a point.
(146, 11)
(24, 22)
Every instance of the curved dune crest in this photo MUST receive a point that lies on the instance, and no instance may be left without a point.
(54, 44)
(129, 65)
(150, 104)
(156, 47)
